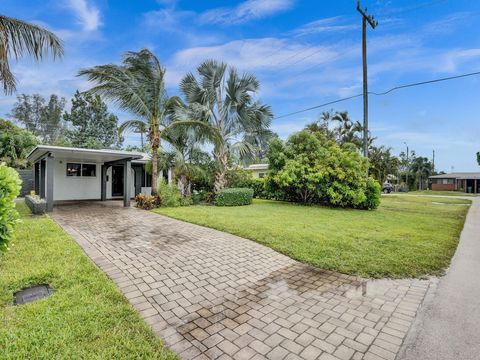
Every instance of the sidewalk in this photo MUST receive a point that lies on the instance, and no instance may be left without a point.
(448, 326)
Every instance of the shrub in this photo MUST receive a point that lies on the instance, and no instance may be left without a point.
(234, 197)
(9, 189)
(169, 195)
(311, 169)
(239, 178)
(259, 188)
(145, 202)
(372, 194)
(200, 196)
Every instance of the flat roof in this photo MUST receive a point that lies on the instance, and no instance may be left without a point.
(257, 167)
(103, 155)
(457, 175)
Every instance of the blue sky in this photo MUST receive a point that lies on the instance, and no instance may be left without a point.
(304, 53)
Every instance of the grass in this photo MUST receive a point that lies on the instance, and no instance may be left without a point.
(442, 193)
(86, 317)
(406, 237)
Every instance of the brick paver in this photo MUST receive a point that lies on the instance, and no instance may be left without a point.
(212, 295)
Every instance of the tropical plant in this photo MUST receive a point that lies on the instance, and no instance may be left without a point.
(15, 143)
(421, 168)
(138, 86)
(186, 158)
(19, 38)
(136, 126)
(382, 163)
(234, 197)
(223, 101)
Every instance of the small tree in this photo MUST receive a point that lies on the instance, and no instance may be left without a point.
(92, 125)
(15, 143)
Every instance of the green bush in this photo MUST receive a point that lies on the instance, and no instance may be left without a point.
(372, 194)
(234, 197)
(169, 195)
(310, 169)
(239, 178)
(9, 189)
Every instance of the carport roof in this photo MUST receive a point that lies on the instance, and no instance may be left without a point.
(94, 155)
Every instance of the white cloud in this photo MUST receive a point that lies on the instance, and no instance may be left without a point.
(246, 11)
(327, 25)
(87, 15)
(253, 54)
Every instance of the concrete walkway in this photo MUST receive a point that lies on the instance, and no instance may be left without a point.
(448, 326)
(212, 295)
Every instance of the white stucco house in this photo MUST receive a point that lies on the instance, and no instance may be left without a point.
(258, 170)
(65, 174)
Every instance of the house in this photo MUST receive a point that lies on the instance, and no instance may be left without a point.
(64, 173)
(258, 170)
(465, 182)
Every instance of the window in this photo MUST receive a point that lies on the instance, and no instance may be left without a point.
(86, 170)
(73, 169)
(89, 169)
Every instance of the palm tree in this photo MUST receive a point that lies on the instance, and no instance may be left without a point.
(223, 101)
(136, 126)
(138, 86)
(422, 168)
(186, 157)
(19, 38)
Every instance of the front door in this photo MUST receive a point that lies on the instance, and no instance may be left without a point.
(117, 180)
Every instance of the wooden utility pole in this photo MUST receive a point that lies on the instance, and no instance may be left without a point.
(373, 23)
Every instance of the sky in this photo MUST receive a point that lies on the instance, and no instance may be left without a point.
(304, 53)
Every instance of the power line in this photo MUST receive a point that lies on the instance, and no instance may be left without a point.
(379, 93)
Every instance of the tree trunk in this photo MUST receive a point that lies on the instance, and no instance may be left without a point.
(155, 143)
(221, 159)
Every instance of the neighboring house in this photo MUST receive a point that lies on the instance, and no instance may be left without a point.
(63, 173)
(258, 170)
(465, 182)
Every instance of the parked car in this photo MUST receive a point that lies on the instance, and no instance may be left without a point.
(387, 188)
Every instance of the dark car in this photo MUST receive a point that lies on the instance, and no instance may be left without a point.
(387, 188)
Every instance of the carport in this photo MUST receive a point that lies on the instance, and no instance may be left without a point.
(66, 174)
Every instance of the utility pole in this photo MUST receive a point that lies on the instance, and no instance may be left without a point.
(373, 23)
(433, 162)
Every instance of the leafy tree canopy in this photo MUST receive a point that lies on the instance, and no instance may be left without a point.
(92, 126)
(309, 168)
(15, 144)
(42, 118)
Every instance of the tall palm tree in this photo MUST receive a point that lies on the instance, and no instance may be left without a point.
(19, 38)
(223, 101)
(138, 86)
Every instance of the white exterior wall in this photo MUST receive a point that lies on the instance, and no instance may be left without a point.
(75, 187)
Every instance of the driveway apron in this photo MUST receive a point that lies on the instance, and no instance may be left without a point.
(213, 295)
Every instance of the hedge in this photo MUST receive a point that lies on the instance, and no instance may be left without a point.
(9, 189)
(234, 197)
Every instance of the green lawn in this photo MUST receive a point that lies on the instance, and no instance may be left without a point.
(406, 237)
(442, 193)
(86, 318)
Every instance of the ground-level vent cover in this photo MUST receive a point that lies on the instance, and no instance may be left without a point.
(33, 293)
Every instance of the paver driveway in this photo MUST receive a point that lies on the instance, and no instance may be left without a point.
(213, 295)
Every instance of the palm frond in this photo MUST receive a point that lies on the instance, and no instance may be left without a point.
(19, 38)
